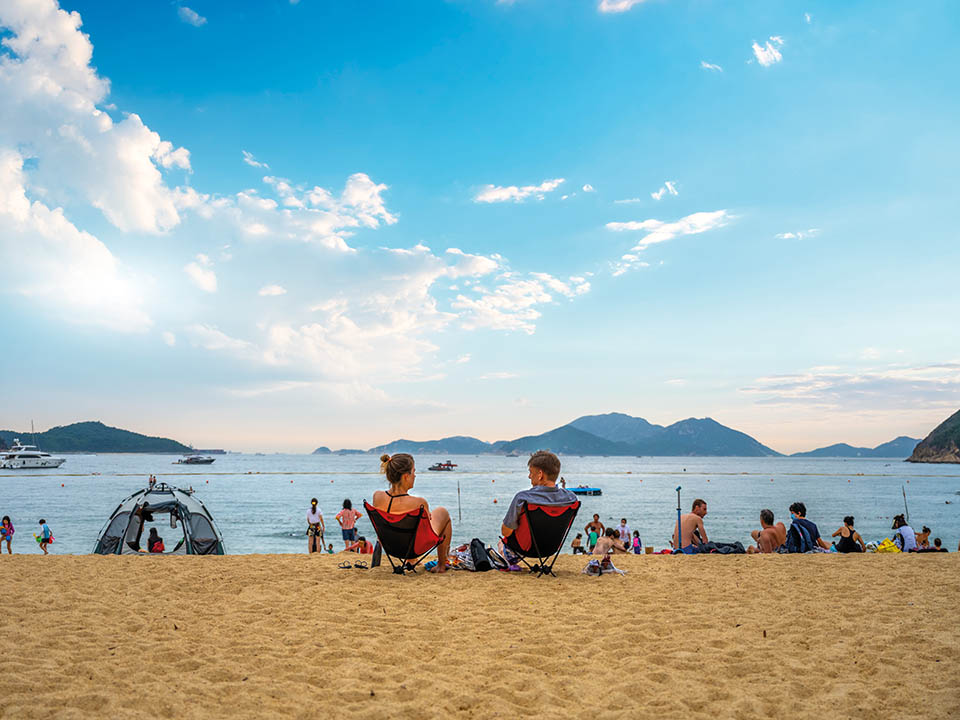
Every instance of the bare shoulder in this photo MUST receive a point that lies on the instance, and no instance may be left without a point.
(378, 496)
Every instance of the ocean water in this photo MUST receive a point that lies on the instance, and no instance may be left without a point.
(260, 501)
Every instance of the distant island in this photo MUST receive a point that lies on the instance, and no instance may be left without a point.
(942, 445)
(94, 437)
(898, 448)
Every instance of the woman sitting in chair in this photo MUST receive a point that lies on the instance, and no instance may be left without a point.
(401, 473)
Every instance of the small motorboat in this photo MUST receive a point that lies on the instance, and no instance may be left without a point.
(447, 466)
(584, 490)
(195, 460)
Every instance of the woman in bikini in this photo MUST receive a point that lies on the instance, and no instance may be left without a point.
(401, 474)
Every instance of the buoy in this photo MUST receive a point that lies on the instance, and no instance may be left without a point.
(207, 481)
(331, 482)
(494, 501)
(848, 479)
(61, 484)
(291, 482)
(708, 479)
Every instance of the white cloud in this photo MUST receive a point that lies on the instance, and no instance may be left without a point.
(498, 376)
(169, 338)
(710, 66)
(617, 6)
(191, 17)
(495, 193)
(50, 113)
(769, 53)
(798, 235)
(668, 187)
(465, 358)
(201, 274)
(677, 382)
(210, 338)
(250, 160)
(272, 291)
(45, 257)
(658, 231)
(588, 188)
(628, 201)
(808, 18)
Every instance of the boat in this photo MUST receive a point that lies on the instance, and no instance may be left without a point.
(448, 466)
(584, 490)
(22, 457)
(513, 453)
(194, 460)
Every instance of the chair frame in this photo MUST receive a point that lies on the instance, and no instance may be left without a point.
(404, 565)
(541, 568)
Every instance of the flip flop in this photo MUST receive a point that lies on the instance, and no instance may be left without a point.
(362, 564)
(345, 565)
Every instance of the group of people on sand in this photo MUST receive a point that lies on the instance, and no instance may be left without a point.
(602, 540)
(347, 519)
(7, 531)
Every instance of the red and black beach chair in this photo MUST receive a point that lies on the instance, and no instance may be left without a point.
(541, 532)
(408, 537)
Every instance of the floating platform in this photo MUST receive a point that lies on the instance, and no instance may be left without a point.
(585, 490)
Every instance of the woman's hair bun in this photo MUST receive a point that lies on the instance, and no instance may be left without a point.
(384, 458)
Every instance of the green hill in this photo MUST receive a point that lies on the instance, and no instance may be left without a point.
(942, 445)
(95, 437)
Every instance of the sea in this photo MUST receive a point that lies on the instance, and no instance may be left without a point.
(260, 502)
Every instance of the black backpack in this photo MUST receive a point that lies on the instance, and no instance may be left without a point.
(478, 552)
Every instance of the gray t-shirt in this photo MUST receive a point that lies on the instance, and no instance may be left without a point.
(537, 495)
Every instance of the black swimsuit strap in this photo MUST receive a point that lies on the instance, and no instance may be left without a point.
(392, 497)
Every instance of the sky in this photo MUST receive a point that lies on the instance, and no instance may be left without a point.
(275, 225)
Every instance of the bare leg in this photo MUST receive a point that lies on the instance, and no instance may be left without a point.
(440, 520)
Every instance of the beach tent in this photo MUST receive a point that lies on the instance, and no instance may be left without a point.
(190, 522)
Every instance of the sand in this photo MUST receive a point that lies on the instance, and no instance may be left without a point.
(873, 636)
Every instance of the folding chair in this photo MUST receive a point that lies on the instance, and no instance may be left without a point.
(541, 532)
(405, 536)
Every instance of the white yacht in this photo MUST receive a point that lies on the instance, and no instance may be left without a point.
(27, 456)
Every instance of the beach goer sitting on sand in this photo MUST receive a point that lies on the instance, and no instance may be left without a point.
(577, 545)
(850, 540)
(769, 537)
(361, 546)
(692, 532)
(609, 543)
(798, 511)
(330, 549)
(938, 547)
(594, 524)
(543, 470)
(401, 474)
(637, 544)
(154, 541)
(905, 538)
(348, 520)
(315, 528)
(6, 532)
(923, 538)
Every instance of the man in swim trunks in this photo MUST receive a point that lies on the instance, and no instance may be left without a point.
(544, 469)
(769, 537)
(692, 532)
(594, 525)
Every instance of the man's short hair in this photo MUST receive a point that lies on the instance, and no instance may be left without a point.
(766, 516)
(799, 508)
(697, 503)
(546, 461)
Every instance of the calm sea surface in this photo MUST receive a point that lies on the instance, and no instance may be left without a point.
(260, 501)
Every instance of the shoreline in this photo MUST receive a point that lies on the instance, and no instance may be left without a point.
(704, 637)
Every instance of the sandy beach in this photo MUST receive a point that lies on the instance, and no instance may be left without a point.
(872, 636)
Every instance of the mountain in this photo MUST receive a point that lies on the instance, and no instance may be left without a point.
(942, 445)
(566, 439)
(898, 448)
(704, 436)
(96, 437)
(456, 445)
(324, 450)
(617, 427)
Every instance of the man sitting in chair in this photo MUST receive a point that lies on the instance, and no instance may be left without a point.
(544, 469)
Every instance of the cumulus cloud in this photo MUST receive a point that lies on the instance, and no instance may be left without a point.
(891, 387)
(498, 376)
(169, 338)
(272, 291)
(48, 259)
(657, 231)
(191, 17)
(202, 274)
(465, 358)
(617, 6)
(512, 193)
(710, 66)
(769, 53)
(588, 188)
(250, 160)
(628, 201)
(798, 234)
(668, 187)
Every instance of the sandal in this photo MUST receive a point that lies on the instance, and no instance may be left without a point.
(345, 565)
(362, 564)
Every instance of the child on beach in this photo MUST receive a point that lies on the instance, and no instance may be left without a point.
(6, 532)
(637, 545)
(330, 549)
(592, 541)
(577, 545)
(46, 537)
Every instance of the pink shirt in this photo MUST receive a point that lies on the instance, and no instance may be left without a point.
(348, 518)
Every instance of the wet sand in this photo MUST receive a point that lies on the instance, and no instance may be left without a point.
(873, 636)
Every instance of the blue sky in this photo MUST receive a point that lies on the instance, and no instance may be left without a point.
(271, 226)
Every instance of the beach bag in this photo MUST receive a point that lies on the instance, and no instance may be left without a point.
(798, 539)
(887, 546)
(479, 555)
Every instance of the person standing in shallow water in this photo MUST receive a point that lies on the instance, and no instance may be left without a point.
(348, 523)
(401, 474)
(315, 528)
(6, 532)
